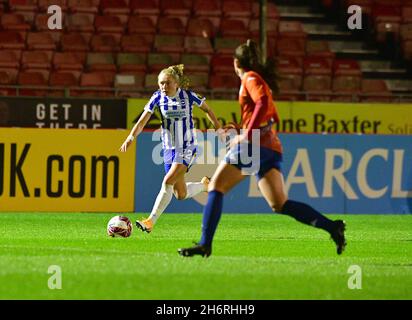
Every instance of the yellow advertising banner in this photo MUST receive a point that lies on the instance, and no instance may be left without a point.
(65, 170)
(368, 118)
(305, 117)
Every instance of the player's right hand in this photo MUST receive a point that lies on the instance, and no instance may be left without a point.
(126, 144)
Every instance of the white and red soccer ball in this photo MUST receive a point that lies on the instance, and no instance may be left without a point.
(119, 226)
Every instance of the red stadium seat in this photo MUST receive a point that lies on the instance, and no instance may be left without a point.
(291, 29)
(227, 45)
(141, 25)
(109, 24)
(10, 59)
(289, 88)
(198, 45)
(393, 3)
(64, 79)
(129, 80)
(150, 81)
(23, 5)
(80, 22)
(290, 47)
(11, 40)
(127, 84)
(318, 87)
(169, 43)
(36, 60)
(375, 90)
(171, 25)
(63, 61)
(271, 27)
(195, 62)
(41, 22)
(290, 83)
(235, 8)
(407, 14)
(41, 41)
(97, 61)
(131, 62)
(109, 42)
(14, 22)
(348, 67)
(145, 7)
(289, 65)
(291, 77)
(407, 49)
(198, 81)
(224, 81)
(346, 88)
(75, 42)
(97, 79)
(158, 61)
(174, 8)
(317, 66)
(8, 76)
(207, 8)
(386, 13)
(374, 86)
(137, 43)
(406, 31)
(348, 83)
(200, 27)
(97, 84)
(114, 7)
(222, 64)
(28, 16)
(233, 28)
(83, 6)
(33, 78)
(43, 5)
(319, 48)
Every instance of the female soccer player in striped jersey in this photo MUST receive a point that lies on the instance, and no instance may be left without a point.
(175, 103)
(258, 113)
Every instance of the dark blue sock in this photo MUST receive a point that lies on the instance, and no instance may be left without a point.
(211, 216)
(307, 215)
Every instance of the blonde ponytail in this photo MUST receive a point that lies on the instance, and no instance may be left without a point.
(176, 72)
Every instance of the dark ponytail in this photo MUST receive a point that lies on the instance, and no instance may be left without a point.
(249, 59)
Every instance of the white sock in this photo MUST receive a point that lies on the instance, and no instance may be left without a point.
(162, 201)
(193, 189)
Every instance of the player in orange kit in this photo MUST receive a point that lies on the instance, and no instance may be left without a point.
(258, 114)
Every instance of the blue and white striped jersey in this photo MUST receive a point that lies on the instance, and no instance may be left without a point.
(177, 117)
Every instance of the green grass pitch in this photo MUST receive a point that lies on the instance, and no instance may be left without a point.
(254, 257)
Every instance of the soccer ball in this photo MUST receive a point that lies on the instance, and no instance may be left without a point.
(119, 226)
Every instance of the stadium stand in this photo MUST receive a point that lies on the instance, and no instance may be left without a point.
(318, 57)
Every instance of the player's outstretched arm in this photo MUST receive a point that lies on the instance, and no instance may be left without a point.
(210, 115)
(136, 130)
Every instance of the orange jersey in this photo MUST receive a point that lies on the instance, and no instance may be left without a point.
(253, 89)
